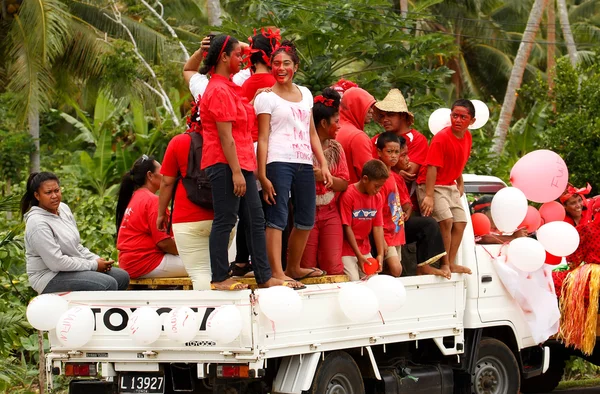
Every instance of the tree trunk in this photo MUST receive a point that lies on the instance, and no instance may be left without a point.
(213, 8)
(563, 15)
(34, 130)
(551, 53)
(516, 75)
(404, 8)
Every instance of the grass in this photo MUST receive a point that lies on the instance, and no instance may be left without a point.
(569, 384)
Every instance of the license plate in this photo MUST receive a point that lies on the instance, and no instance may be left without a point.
(142, 383)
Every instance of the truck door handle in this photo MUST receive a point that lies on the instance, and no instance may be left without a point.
(486, 279)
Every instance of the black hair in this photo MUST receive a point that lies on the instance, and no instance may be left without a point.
(288, 47)
(375, 170)
(131, 181)
(388, 136)
(265, 45)
(34, 182)
(466, 104)
(322, 111)
(213, 54)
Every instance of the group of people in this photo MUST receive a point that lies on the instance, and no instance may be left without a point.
(314, 195)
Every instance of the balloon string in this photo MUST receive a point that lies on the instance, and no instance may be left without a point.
(381, 316)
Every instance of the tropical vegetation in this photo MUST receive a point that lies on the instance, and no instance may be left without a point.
(87, 86)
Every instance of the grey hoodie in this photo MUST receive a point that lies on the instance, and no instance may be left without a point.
(52, 245)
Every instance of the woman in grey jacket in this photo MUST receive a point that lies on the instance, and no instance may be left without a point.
(56, 259)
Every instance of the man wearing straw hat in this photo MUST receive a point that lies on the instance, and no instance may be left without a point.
(393, 114)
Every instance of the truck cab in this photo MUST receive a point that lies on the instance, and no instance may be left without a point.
(460, 335)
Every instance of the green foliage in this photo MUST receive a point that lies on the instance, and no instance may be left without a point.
(121, 64)
(578, 369)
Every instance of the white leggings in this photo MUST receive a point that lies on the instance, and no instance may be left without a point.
(171, 266)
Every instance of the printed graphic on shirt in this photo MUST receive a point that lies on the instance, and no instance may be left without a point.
(301, 137)
(395, 210)
(126, 216)
(364, 214)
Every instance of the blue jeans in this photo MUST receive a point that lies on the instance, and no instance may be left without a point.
(300, 180)
(115, 279)
(226, 206)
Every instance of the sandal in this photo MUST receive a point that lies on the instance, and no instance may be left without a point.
(287, 284)
(236, 270)
(232, 287)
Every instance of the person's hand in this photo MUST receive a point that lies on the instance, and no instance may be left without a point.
(268, 191)
(262, 90)
(205, 45)
(318, 174)
(427, 206)
(162, 221)
(522, 232)
(104, 265)
(362, 260)
(239, 184)
(380, 261)
(327, 177)
(407, 176)
(404, 217)
(461, 189)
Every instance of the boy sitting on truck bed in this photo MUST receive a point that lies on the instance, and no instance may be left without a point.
(441, 183)
(361, 209)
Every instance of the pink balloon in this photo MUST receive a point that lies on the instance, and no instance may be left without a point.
(542, 175)
(532, 220)
(552, 211)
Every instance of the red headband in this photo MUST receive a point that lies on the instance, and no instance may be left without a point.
(571, 191)
(270, 35)
(223, 47)
(325, 101)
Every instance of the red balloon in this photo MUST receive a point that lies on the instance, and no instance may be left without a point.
(533, 220)
(373, 268)
(552, 211)
(481, 224)
(552, 259)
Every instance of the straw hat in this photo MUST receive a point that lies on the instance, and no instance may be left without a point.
(394, 102)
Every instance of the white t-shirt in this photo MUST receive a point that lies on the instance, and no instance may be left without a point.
(289, 137)
(199, 82)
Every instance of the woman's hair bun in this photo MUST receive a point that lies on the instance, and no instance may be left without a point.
(330, 93)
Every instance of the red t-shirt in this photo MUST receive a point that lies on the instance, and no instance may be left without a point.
(361, 212)
(357, 148)
(402, 189)
(393, 223)
(249, 88)
(416, 144)
(221, 102)
(138, 235)
(174, 163)
(449, 154)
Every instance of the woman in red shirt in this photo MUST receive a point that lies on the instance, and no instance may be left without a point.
(144, 251)
(229, 160)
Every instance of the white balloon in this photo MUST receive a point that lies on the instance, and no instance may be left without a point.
(224, 324)
(509, 208)
(390, 292)
(526, 254)
(559, 238)
(482, 114)
(181, 324)
(75, 327)
(44, 311)
(358, 302)
(280, 303)
(439, 119)
(144, 326)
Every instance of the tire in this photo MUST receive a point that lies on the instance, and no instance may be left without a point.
(496, 370)
(337, 374)
(548, 381)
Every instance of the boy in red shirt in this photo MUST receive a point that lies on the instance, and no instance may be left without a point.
(441, 186)
(389, 147)
(361, 209)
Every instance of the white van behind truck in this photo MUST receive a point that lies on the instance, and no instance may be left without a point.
(463, 335)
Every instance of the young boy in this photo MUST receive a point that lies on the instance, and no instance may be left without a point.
(361, 211)
(441, 186)
(390, 148)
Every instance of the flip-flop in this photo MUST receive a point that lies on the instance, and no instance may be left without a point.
(232, 287)
(310, 274)
(286, 283)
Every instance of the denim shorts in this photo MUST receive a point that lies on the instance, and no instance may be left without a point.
(299, 179)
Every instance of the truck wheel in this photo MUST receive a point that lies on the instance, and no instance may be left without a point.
(548, 381)
(337, 374)
(496, 370)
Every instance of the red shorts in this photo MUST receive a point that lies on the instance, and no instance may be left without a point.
(324, 246)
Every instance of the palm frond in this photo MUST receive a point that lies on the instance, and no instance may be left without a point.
(9, 203)
(83, 55)
(584, 10)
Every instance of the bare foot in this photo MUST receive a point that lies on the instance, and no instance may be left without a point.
(460, 269)
(304, 273)
(228, 284)
(282, 276)
(429, 270)
(278, 282)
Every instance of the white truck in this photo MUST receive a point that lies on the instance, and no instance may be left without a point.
(463, 335)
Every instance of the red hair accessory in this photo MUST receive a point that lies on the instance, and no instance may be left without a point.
(270, 35)
(342, 85)
(571, 191)
(223, 47)
(325, 101)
